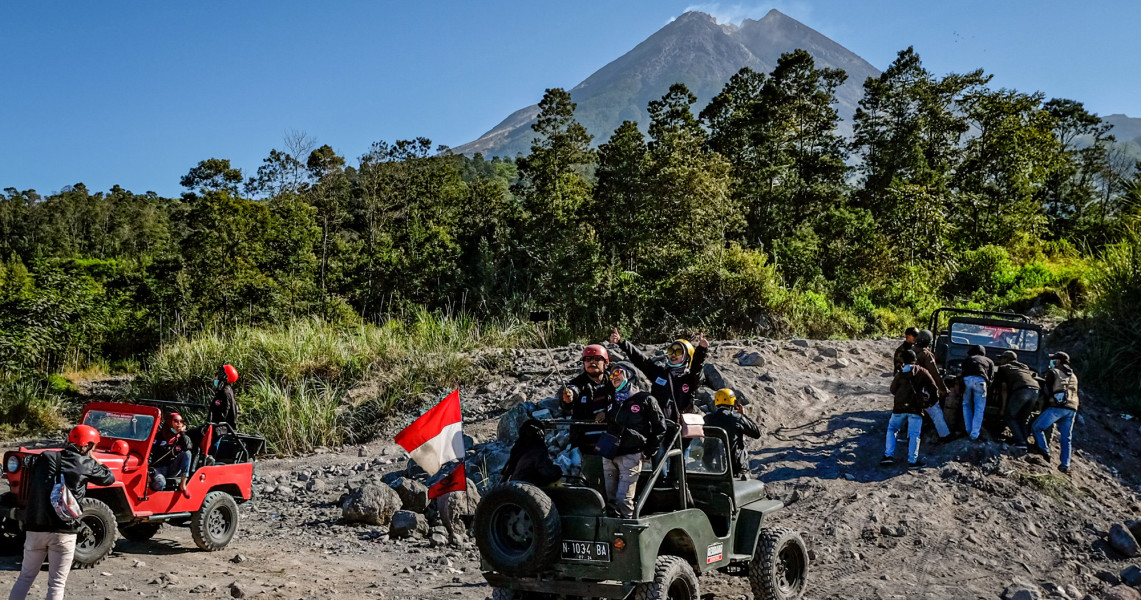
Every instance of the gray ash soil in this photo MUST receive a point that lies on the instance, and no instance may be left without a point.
(976, 520)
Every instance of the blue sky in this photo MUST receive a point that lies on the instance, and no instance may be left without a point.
(136, 93)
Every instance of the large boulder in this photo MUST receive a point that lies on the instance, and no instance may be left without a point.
(1122, 592)
(413, 494)
(1123, 541)
(1131, 575)
(456, 508)
(406, 523)
(372, 503)
(510, 422)
(1021, 590)
(714, 378)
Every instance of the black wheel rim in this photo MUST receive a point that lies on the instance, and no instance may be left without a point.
(790, 568)
(218, 522)
(680, 590)
(90, 534)
(512, 529)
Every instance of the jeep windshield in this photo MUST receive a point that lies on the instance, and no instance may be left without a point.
(124, 426)
(994, 336)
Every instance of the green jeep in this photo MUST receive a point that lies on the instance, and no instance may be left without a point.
(560, 541)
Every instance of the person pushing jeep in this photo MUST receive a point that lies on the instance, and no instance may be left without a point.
(47, 534)
(925, 358)
(909, 336)
(1061, 408)
(1019, 391)
(913, 390)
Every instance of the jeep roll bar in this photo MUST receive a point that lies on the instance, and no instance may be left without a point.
(659, 465)
(933, 325)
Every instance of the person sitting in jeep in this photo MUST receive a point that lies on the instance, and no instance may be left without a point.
(529, 460)
(223, 408)
(586, 398)
(730, 417)
(635, 426)
(1061, 408)
(170, 457)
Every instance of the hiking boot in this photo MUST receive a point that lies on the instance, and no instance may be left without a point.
(887, 461)
(1064, 469)
(919, 464)
(1035, 449)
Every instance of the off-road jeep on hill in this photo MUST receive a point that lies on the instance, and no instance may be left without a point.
(560, 541)
(217, 483)
(996, 332)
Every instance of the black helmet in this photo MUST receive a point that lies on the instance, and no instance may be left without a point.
(912, 331)
(924, 338)
(976, 350)
(1008, 355)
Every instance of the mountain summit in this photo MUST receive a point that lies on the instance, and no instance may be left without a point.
(692, 49)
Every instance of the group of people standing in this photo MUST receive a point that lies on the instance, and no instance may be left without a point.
(635, 420)
(919, 388)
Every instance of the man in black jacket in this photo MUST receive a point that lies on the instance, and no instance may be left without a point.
(224, 408)
(48, 535)
(586, 398)
(636, 421)
(1019, 391)
(913, 390)
(729, 417)
(170, 457)
(675, 383)
(974, 381)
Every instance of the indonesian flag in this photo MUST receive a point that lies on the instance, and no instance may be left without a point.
(437, 436)
(452, 482)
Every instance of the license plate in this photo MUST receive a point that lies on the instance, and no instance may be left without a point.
(588, 551)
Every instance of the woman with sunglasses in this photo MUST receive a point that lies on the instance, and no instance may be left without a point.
(170, 457)
(674, 383)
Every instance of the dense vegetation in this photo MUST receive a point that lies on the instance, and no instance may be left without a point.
(749, 215)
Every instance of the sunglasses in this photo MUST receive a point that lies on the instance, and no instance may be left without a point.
(675, 351)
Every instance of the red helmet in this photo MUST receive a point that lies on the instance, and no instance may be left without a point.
(231, 373)
(120, 447)
(81, 435)
(596, 350)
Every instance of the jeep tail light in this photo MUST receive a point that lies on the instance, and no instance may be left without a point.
(619, 544)
(13, 464)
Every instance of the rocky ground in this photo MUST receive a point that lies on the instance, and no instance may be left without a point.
(979, 522)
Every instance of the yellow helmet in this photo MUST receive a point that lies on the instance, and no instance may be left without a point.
(686, 348)
(725, 397)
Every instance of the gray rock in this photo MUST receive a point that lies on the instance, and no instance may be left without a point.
(854, 350)
(1054, 589)
(202, 588)
(509, 423)
(1021, 590)
(454, 507)
(714, 378)
(799, 342)
(1106, 576)
(413, 494)
(238, 558)
(1122, 592)
(437, 539)
(406, 523)
(372, 503)
(752, 359)
(236, 590)
(829, 351)
(316, 485)
(1123, 541)
(841, 364)
(1131, 575)
(1134, 528)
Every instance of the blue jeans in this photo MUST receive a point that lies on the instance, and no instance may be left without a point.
(177, 468)
(974, 404)
(1064, 417)
(914, 426)
(937, 419)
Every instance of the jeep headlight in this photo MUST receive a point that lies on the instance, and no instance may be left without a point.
(13, 464)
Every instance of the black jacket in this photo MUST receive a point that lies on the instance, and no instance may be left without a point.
(674, 393)
(223, 408)
(168, 446)
(979, 366)
(592, 398)
(77, 470)
(737, 426)
(907, 389)
(897, 358)
(639, 423)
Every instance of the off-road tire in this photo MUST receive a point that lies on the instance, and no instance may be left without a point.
(214, 525)
(140, 532)
(517, 529)
(510, 594)
(11, 536)
(779, 569)
(673, 579)
(96, 534)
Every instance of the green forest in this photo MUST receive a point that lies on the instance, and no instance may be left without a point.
(752, 215)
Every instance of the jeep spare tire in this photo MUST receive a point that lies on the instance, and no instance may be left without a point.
(517, 529)
(96, 535)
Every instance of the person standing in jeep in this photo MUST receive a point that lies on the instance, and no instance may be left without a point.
(636, 424)
(730, 417)
(224, 408)
(913, 389)
(586, 398)
(48, 535)
(675, 383)
(974, 380)
(1062, 408)
(1019, 392)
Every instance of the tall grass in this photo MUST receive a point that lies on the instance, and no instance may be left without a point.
(1115, 352)
(310, 383)
(28, 405)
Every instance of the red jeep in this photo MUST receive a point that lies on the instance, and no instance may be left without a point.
(219, 480)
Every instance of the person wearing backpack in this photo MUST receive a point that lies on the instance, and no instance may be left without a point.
(914, 390)
(1061, 408)
(48, 535)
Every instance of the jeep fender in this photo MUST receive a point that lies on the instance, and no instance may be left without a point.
(749, 523)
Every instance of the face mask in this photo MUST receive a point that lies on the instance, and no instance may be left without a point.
(906, 368)
(215, 383)
(1053, 364)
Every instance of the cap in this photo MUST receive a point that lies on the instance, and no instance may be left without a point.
(1060, 357)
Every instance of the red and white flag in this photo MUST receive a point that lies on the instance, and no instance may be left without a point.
(437, 436)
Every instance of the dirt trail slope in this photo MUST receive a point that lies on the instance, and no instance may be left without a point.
(973, 523)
